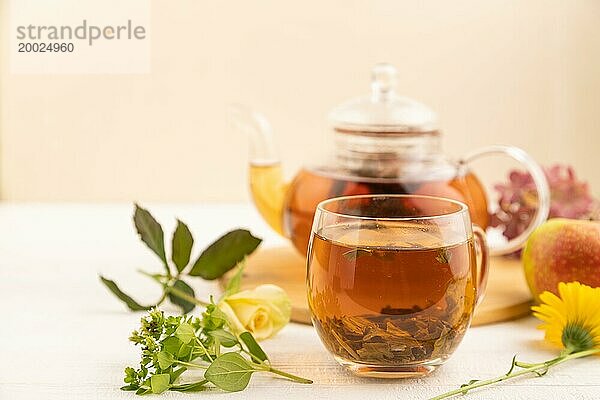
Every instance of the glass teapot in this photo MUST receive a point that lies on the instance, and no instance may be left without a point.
(384, 144)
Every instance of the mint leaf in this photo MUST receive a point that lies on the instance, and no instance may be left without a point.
(230, 372)
(165, 359)
(182, 246)
(171, 345)
(159, 383)
(185, 305)
(185, 351)
(224, 254)
(225, 338)
(131, 303)
(185, 332)
(213, 317)
(252, 346)
(151, 233)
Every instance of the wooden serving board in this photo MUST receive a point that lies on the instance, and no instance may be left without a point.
(507, 296)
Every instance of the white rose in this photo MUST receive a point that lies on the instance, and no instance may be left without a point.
(262, 311)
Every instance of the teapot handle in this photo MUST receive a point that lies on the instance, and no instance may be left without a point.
(541, 185)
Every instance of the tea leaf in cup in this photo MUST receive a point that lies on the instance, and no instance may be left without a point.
(444, 256)
(356, 253)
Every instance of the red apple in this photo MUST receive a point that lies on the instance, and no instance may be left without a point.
(562, 250)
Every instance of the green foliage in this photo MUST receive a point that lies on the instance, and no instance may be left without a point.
(230, 372)
(185, 332)
(213, 317)
(234, 284)
(253, 347)
(185, 304)
(182, 246)
(224, 337)
(131, 303)
(159, 383)
(221, 256)
(224, 254)
(518, 368)
(150, 232)
(172, 345)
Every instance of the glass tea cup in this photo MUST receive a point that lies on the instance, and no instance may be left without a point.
(393, 281)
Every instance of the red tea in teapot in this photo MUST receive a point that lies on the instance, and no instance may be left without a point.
(311, 186)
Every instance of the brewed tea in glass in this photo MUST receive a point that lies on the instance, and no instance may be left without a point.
(393, 281)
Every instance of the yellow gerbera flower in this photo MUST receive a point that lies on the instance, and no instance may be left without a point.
(571, 320)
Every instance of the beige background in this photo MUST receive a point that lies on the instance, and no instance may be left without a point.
(515, 72)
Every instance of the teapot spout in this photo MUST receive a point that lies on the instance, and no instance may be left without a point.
(267, 186)
(258, 130)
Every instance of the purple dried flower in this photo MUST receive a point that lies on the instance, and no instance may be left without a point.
(569, 198)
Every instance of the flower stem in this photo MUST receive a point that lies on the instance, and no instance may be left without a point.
(182, 295)
(294, 378)
(539, 368)
(190, 365)
(266, 367)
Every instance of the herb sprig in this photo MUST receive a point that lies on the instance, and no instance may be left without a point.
(172, 345)
(217, 259)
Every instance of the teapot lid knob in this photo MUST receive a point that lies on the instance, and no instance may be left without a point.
(384, 78)
(383, 110)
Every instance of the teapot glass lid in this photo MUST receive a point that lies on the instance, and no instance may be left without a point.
(383, 111)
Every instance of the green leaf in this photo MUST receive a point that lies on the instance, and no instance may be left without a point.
(185, 351)
(185, 305)
(182, 246)
(159, 383)
(165, 359)
(252, 346)
(230, 372)
(213, 318)
(171, 345)
(185, 332)
(131, 303)
(176, 373)
(151, 233)
(190, 387)
(512, 365)
(225, 338)
(130, 375)
(233, 286)
(143, 390)
(224, 254)
(129, 387)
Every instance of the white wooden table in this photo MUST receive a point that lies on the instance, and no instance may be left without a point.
(63, 336)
